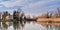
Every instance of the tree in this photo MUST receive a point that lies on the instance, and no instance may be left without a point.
(57, 14)
(21, 13)
(58, 11)
(5, 14)
(14, 14)
(47, 15)
(50, 15)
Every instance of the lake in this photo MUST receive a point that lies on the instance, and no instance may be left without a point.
(26, 25)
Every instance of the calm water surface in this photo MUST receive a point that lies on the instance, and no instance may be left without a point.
(26, 25)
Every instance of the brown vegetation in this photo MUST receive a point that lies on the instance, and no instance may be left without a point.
(51, 15)
(49, 18)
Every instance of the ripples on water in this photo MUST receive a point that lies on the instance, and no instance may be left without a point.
(26, 25)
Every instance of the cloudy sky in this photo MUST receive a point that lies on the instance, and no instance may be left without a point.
(34, 7)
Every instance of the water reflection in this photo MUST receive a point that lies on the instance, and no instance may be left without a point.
(5, 25)
(18, 24)
(0, 24)
(26, 25)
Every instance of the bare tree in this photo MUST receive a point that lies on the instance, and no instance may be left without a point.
(47, 15)
(5, 14)
(57, 14)
(14, 14)
(50, 15)
(58, 11)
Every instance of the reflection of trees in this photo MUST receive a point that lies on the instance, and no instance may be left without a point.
(16, 25)
(5, 25)
(58, 28)
(0, 24)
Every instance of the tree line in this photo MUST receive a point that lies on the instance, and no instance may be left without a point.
(52, 14)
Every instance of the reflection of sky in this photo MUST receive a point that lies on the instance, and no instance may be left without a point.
(35, 7)
(30, 26)
(34, 26)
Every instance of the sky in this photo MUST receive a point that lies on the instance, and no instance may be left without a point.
(32, 7)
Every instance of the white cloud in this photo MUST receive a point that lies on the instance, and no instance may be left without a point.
(34, 7)
(11, 4)
(41, 6)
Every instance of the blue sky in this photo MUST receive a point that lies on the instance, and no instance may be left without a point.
(33, 7)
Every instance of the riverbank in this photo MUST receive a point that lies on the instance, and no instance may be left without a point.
(49, 21)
